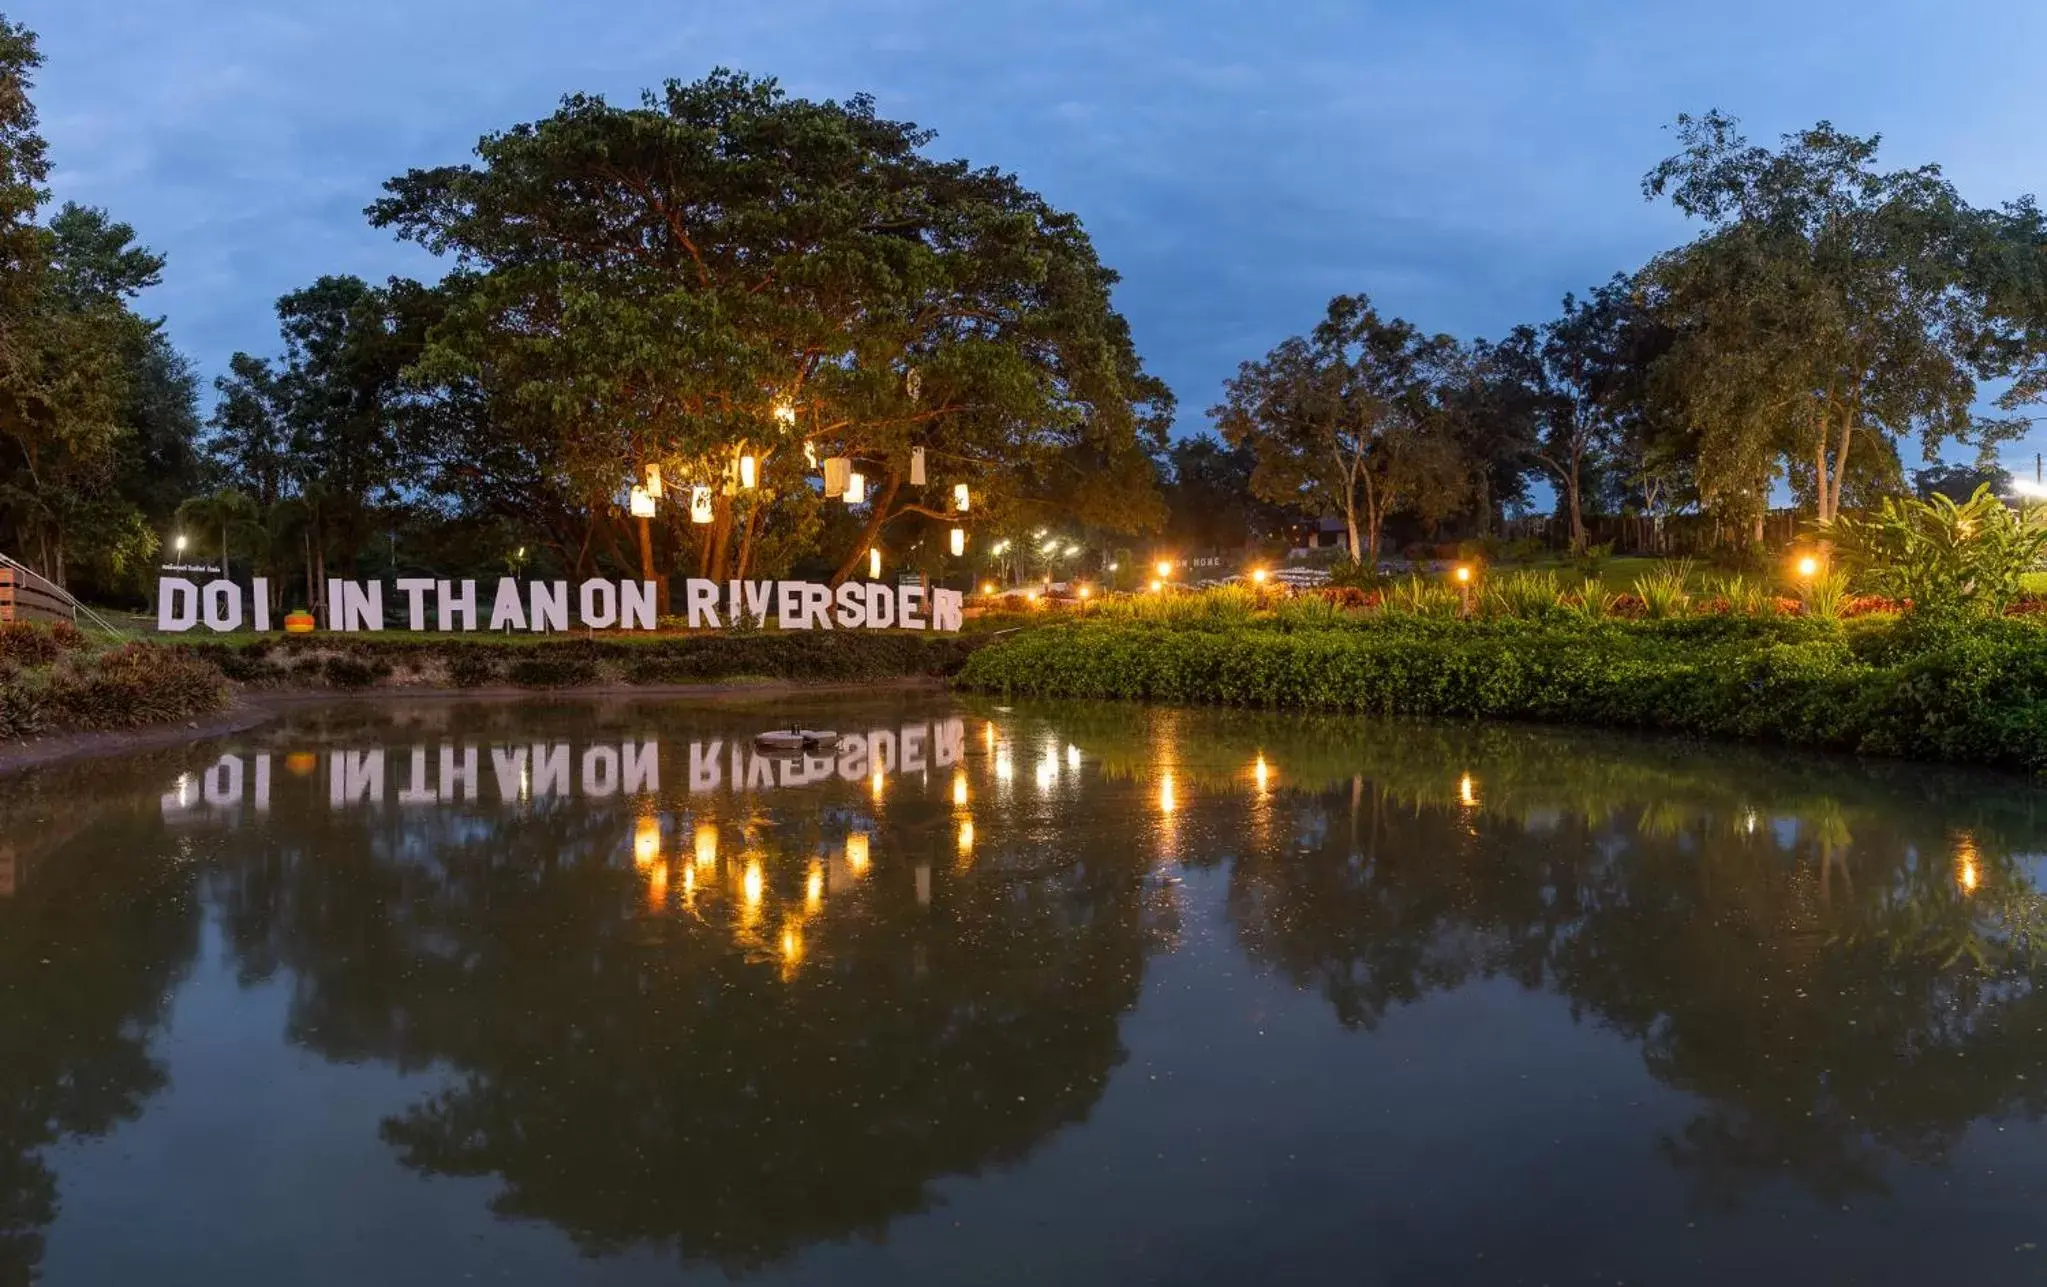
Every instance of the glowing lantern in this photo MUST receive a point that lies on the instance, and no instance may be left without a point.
(1808, 567)
(856, 489)
(874, 564)
(837, 470)
(1257, 576)
(642, 504)
(1165, 568)
(1086, 591)
(654, 480)
(987, 587)
(785, 415)
(700, 505)
(916, 466)
(1464, 576)
(959, 541)
(748, 471)
(960, 499)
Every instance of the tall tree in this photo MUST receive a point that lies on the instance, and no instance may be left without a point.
(1210, 502)
(1346, 422)
(1828, 303)
(724, 271)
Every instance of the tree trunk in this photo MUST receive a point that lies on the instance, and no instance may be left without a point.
(746, 535)
(721, 536)
(872, 532)
(647, 568)
(1574, 498)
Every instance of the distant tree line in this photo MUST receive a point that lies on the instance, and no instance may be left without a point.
(1829, 315)
(741, 299)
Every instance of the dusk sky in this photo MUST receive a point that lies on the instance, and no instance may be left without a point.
(1464, 162)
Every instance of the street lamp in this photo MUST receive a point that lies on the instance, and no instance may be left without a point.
(178, 543)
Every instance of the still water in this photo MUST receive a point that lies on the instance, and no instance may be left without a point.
(591, 993)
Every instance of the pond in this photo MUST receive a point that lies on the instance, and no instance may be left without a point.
(590, 992)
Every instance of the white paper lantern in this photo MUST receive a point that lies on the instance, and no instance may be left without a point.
(916, 466)
(654, 480)
(874, 563)
(810, 454)
(700, 505)
(959, 541)
(856, 489)
(837, 469)
(959, 497)
(641, 503)
(748, 470)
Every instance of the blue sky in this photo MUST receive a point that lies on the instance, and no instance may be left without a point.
(1464, 162)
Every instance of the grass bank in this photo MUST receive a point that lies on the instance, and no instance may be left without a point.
(1973, 693)
(59, 681)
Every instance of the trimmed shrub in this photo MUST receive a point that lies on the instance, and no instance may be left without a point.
(471, 668)
(551, 672)
(1876, 686)
(27, 644)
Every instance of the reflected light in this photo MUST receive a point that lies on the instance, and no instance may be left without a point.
(1967, 877)
(1167, 800)
(874, 784)
(1967, 874)
(689, 883)
(1261, 774)
(1467, 791)
(1072, 756)
(959, 788)
(1048, 769)
(707, 843)
(966, 835)
(813, 887)
(988, 736)
(750, 884)
(792, 947)
(856, 851)
(647, 840)
(1003, 769)
(657, 886)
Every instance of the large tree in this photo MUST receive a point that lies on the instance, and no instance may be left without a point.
(725, 271)
(1829, 303)
(1346, 422)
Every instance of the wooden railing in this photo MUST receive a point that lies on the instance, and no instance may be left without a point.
(23, 599)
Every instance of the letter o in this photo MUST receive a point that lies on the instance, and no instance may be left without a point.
(223, 600)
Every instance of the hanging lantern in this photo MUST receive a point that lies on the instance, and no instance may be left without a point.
(747, 471)
(959, 541)
(785, 414)
(913, 383)
(856, 489)
(810, 454)
(916, 466)
(699, 504)
(837, 469)
(959, 497)
(641, 503)
(874, 563)
(654, 480)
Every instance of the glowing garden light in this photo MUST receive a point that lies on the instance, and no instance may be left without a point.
(1464, 576)
(1808, 567)
(1165, 568)
(1258, 576)
(641, 502)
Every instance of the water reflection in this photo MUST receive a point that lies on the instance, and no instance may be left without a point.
(676, 994)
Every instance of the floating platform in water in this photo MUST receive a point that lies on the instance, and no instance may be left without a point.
(796, 739)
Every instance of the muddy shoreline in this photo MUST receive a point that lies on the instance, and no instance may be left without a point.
(252, 708)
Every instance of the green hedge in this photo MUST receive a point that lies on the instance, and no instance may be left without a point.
(1974, 694)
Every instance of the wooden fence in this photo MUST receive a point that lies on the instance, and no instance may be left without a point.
(23, 598)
